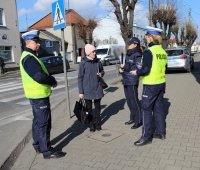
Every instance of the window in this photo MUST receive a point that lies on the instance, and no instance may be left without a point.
(6, 53)
(48, 43)
(2, 17)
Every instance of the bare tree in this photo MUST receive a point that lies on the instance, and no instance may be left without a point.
(186, 35)
(85, 31)
(125, 17)
(92, 24)
(164, 17)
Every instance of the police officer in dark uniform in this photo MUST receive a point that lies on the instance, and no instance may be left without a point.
(37, 85)
(153, 80)
(131, 82)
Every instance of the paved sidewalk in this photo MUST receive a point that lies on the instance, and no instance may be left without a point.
(113, 147)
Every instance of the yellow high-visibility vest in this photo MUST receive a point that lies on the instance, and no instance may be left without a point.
(33, 89)
(157, 72)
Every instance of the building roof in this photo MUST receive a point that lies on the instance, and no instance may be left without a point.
(72, 18)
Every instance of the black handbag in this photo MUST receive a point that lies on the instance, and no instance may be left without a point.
(81, 112)
(103, 83)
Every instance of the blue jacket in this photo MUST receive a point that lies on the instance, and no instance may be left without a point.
(132, 60)
(88, 81)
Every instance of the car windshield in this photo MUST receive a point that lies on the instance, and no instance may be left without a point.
(101, 51)
(174, 52)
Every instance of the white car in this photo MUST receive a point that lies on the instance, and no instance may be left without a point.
(179, 59)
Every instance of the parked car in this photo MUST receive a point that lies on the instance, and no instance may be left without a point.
(179, 59)
(54, 64)
(109, 54)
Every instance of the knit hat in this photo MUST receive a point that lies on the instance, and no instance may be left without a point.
(89, 49)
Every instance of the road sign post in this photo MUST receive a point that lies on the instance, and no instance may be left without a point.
(59, 22)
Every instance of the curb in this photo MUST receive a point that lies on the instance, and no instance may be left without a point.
(9, 162)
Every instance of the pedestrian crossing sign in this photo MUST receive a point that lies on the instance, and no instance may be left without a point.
(58, 15)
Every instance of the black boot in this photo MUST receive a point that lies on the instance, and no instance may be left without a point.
(98, 126)
(92, 127)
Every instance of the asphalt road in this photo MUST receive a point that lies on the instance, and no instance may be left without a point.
(13, 104)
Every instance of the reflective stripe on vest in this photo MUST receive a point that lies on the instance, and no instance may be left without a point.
(157, 72)
(33, 89)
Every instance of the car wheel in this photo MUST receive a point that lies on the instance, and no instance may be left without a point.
(189, 69)
(107, 63)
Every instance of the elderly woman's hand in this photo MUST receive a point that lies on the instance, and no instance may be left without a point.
(81, 96)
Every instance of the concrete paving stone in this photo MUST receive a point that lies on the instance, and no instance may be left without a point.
(176, 157)
(75, 167)
(193, 158)
(154, 166)
(161, 155)
(191, 168)
(196, 153)
(113, 166)
(130, 168)
(185, 153)
(179, 148)
(127, 163)
(88, 163)
(101, 165)
(142, 164)
(169, 167)
(196, 164)
(99, 159)
(167, 161)
(171, 151)
(191, 144)
(152, 160)
(89, 168)
(185, 163)
(113, 160)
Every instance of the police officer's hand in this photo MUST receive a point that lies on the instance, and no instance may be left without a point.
(134, 72)
(81, 96)
(121, 70)
(121, 65)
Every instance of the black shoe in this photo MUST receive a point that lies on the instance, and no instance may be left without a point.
(38, 151)
(99, 128)
(56, 154)
(129, 122)
(135, 126)
(92, 127)
(142, 142)
(159, 136)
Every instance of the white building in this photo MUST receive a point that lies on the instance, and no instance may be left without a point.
(139, 32)
(10, 49)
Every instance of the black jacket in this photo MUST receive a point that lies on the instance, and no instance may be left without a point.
(132, 61)
(88, 81)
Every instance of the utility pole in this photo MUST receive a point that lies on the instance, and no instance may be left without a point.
(150, 12)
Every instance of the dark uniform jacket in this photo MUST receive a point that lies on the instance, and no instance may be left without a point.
(132, 61)
(88, 81)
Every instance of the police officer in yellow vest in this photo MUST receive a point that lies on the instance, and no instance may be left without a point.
(153, 79)
(37, 85)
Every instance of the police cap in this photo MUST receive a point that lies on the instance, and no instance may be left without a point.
(31, 35)
(153, 31)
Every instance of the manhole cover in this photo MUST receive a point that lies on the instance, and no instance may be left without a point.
(106, 135)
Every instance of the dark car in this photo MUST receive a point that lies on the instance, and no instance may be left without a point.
(54, 64)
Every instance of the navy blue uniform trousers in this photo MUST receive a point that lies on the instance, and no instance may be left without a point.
(131, 94)
(41, 125)
(153, 112)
